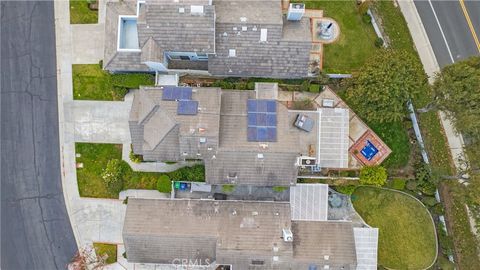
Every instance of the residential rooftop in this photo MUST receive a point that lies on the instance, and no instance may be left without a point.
(243, 234)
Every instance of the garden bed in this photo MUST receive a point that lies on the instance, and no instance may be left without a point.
(106, 250)
(95, 158)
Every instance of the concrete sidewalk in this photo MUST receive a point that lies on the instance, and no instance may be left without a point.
(430, 64)
(93, 220)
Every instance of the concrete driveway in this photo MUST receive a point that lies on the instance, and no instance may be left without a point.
(99, 121)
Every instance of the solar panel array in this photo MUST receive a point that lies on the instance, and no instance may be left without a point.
(176, 93)
(187, 107)
(262, 120)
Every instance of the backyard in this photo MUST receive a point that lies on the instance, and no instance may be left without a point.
(95, 158)
(406, 233)
(91, 82)
(80, 13)
(357, 38)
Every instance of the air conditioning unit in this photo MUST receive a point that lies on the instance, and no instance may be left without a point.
(287, 235)
(295, 11)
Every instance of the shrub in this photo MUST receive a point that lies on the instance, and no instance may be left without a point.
(366, 18)
(135, 158)
(438, 209)
(411, 185)
(314, 88)
(279, 189)
(164, 184)
(113, 174)
(429, 201)
(193, 174)
(348, 190)
(373, 175)
(305, 86)
(378, 42)
(228, 188)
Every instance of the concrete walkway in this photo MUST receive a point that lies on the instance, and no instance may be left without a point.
(93, 220)
(430, 64)
(88, 43)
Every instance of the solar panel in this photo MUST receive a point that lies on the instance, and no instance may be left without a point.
(176, 93)
(262, 120)
(187, 107)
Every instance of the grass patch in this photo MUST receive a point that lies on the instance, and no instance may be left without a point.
(406, 233)
(91, 82)
(108, 250)
(228, 188)
(95, 158)
(357, 38)
(80, 13)
(398, 184)
(279, 189)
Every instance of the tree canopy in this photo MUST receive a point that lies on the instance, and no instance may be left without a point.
(381, 89)
(457, 91)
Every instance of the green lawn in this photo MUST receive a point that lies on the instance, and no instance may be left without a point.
(106, 249)
(91, 82)
(356, 42)
(406, 233)
(95, 158)
(80, 13)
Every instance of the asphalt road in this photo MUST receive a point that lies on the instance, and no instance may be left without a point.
(35, 229)
(447, 28)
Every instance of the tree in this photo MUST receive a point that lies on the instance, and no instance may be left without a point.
(113, 175)
(381, 89)
(457, 92)
(373, 175)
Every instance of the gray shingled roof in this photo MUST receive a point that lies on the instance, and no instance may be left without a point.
(284, 55)
(158, 231)
(160, 134)
(324, 243)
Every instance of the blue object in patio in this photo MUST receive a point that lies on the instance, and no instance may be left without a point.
(183, 186)
(369, 151)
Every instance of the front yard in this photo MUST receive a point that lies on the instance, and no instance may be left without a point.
(80, 13)
(357, 38)
(91, 82)
(406, 233)
(107, 251)
(95, 158)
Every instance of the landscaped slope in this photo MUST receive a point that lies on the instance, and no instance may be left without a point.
(406, 232)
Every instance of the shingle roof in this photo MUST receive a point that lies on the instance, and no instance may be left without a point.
(156, 125)
(175, 31)
(259, 12)
(314, 240)
(156, 231)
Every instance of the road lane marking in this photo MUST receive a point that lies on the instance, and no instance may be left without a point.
(469, 22)
(441, 31)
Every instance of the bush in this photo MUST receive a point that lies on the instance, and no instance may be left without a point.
(366, 18)
(429, 201)
(438, 209)
(135, 158)
(113, 175)
(348, 190)
(305, 87)
(373, 175)
(314, 88)
(378, 42)
(228, 188)
(411, 185)
(193, 174)
(164, 184)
